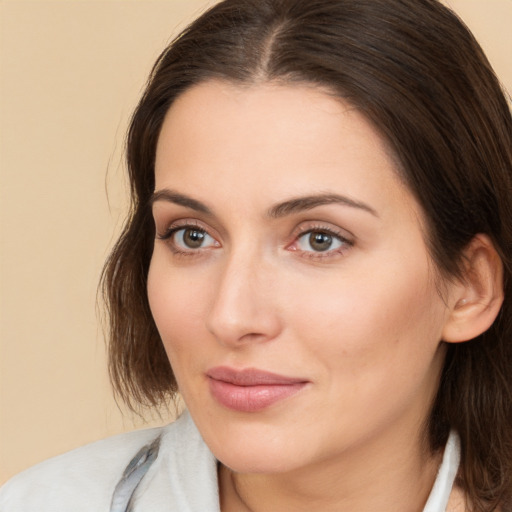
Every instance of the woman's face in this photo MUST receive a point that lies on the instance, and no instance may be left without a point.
(290, 281)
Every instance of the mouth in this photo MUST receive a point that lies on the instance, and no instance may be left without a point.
(251, 390)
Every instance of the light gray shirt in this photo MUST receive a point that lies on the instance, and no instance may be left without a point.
(181, 478)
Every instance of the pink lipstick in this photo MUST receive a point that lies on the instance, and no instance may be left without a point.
(250, 390)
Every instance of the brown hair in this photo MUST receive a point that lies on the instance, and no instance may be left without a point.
(417, 73)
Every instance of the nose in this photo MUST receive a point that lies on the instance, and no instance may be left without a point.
(244, 299)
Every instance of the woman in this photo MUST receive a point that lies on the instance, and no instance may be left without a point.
(318, 258)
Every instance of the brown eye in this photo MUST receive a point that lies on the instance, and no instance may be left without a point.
(320, 241)
(193, 238)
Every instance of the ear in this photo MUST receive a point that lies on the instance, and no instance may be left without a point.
(476, 298)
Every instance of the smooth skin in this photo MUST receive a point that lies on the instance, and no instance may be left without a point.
(337, 289)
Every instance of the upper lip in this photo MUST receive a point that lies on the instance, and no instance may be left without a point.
(250, 377)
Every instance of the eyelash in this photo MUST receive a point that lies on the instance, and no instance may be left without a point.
(302, 232)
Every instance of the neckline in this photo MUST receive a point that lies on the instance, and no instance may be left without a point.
(445, 479)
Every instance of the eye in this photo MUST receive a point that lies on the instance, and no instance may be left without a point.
(319, 241)
(192, 238)
(186, 239)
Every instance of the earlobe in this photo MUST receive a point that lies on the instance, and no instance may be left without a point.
(477, 297)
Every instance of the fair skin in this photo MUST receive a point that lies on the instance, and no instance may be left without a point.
(338, 293)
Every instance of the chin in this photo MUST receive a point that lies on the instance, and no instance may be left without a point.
(261, 461)
(257, 448)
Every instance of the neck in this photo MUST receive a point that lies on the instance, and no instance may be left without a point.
(392, 476)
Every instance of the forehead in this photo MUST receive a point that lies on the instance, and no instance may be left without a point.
(266, 141)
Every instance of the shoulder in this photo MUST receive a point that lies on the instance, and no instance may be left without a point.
(182, 477)
(88, 473)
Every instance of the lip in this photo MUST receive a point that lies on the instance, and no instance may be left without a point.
(251, 389)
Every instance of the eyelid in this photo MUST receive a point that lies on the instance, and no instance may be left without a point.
(308, 227)
(168, 227)
(173, 226)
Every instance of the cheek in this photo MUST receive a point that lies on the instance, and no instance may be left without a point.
(177, 305)
(375, 348)
(372, 321)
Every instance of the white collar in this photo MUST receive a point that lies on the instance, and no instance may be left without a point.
(440, 494)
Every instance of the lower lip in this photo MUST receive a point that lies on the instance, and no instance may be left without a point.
(252, 398)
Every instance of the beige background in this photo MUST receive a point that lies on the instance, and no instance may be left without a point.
(71, 72)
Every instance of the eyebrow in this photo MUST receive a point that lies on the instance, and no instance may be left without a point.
(171, 196)
(279, 210)
(300, 204)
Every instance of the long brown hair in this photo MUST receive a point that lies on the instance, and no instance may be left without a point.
(417, 73)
